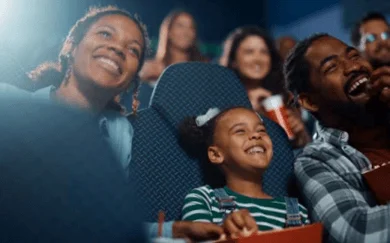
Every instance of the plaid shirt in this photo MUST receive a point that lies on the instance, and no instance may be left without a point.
(329, 173)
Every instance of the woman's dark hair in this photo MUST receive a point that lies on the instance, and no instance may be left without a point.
(164, 44)
(196, 140)
(53, 73)
(274, 80)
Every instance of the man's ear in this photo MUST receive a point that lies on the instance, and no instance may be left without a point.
(215, 155)
(308, 102)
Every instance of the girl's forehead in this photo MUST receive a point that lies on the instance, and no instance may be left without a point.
(239, 115)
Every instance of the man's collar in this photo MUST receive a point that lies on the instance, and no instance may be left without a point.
(331, 135)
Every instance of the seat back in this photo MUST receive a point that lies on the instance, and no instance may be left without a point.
(163, 170)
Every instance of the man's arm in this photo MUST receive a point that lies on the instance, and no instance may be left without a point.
(346, 215)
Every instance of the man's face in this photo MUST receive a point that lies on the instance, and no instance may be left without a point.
(375, 42)
(339, 77)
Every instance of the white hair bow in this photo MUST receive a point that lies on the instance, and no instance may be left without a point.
(203, 119)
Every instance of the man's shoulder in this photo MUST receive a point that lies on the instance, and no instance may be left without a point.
(319, 153)
(317, 148)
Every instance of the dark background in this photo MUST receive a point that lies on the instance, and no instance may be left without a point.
(32, 31)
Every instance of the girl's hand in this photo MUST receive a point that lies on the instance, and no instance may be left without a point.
(239, 223)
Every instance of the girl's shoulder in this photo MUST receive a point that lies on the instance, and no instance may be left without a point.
(205, 192)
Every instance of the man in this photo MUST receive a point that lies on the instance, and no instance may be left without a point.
(350, 101)
(372, 37)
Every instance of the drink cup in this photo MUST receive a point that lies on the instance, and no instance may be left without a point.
(276, 111)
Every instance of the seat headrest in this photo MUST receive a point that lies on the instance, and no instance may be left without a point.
(192, 88)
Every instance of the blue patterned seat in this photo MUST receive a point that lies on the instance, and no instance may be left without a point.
(164, 173)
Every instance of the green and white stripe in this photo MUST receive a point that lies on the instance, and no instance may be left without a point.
(201, 205)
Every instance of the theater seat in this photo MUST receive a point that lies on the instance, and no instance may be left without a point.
(163, 171)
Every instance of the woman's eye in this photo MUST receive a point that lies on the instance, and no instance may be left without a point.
(105, 34)
(134, 51)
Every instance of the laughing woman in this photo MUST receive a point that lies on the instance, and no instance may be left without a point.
(101, 58)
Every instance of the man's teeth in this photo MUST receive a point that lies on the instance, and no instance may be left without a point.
(256, 149)
(109, 62)
(357, 84)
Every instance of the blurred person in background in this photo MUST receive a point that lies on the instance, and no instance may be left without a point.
(177, 43)
(101, 58)
(371, 35)
(251, 53)
(284, 45)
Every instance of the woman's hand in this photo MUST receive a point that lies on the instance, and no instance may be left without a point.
(151, 70)
(256, 97)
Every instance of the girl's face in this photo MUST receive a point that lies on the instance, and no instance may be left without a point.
(242, 142)
(253, 60)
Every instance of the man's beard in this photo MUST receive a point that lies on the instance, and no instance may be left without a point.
(373, 113)
(376, 63)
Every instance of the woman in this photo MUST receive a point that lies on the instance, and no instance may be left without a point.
(100, 59)
(177, 43)
(251, 53)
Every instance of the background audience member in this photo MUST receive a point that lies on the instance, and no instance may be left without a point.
(284, 45)
(177, 43)
(255, 59)
(371, 35)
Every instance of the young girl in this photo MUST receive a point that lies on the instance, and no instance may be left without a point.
(236, 141)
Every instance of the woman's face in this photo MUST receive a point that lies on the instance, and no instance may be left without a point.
(182, 33)
(109, 54)
(253, 60)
